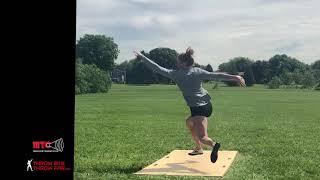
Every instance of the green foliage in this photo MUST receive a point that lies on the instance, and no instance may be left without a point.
(97, 49)
(248, 76)
(102, 52)
(282, 69)
(282, 63)
(297, 76)
(138, 73)
(316, 74)
(209, 68)
(123, 66)
(236, 65)
(91, 79)
(308, 80)
(316, 65)
(166, 58)
(274, 83)
(199, 66)
(316, 70)
(287, 78)
(261, 71)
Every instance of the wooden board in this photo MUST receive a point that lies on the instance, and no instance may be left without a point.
(179, 163)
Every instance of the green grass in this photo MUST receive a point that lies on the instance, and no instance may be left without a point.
(276, 132)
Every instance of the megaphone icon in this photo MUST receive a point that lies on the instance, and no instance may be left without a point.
(57, 145)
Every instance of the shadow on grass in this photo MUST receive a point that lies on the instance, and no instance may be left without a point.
(116, 169)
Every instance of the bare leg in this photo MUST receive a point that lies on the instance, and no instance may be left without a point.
(200, 128)
(190, 125)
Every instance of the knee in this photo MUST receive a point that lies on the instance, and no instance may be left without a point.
(189, 123)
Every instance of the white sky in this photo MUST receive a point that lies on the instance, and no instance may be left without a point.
(217, 30)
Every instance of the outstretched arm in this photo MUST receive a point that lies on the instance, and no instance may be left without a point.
(205, 75)
(154, 66)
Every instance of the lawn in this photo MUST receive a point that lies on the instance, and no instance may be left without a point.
(275, 131)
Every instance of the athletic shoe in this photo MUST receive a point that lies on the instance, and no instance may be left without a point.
(196, 151)
(214, 153)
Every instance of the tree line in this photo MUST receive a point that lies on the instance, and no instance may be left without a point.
(279, 70)
(96, 55)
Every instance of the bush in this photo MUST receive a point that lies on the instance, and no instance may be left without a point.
(292, 85)
(274, 83)
(91, 79)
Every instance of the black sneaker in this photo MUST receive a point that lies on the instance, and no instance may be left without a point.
(214, 153)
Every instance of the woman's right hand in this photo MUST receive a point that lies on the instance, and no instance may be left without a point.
(240, 81)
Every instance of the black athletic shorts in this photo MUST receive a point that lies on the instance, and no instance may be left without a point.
(205, 110)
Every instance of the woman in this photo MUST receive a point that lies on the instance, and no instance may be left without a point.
(189, 80)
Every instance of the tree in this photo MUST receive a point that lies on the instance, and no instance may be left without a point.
(316, 65)
(122, 66)
(308, 80)
(297, 76)
(248, 76)
(261, 71)
(236, 65)
(97, 49)
(166, 58)
(316, 70)
(209, 68)
(196, 65)
(280, 63)
(287, 77)
(138, 73)
(199, 66)
(228, 67)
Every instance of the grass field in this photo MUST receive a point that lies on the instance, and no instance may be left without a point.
(277, 132)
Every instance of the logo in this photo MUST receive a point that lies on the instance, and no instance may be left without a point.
(47, 146)
(29, 165)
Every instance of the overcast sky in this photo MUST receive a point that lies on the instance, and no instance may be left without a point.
(217, 30)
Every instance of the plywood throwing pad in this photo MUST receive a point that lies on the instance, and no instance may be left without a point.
(179, 163)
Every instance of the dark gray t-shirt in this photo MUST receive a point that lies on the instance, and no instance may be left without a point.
(189, 81)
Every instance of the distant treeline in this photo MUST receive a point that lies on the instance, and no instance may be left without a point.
(96, 55)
